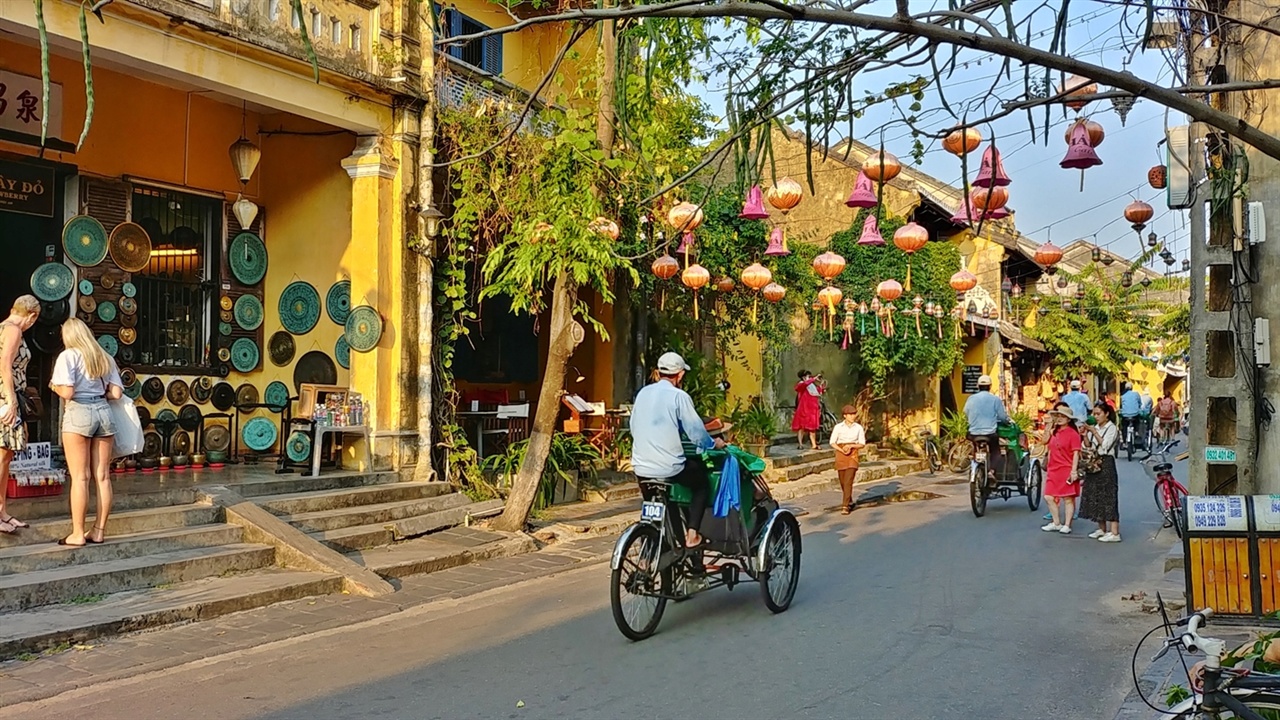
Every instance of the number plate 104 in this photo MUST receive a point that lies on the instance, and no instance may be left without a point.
(652, 511)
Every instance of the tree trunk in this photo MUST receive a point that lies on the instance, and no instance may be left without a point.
(524, 490)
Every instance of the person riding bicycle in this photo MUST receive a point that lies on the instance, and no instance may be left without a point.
(1130, 416)
(1166, 412)
(1079, 403)
(985, 411)
(663, 411)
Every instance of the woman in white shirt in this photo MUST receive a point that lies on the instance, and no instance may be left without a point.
(86, 377)
(847, 438)
(1100, 496)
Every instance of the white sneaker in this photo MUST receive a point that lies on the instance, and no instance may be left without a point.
(1109, 538)
(1065, 529)
(1051, 527)
(1097, 534)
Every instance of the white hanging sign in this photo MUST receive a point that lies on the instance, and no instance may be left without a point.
(21, 108)
(1216, 513)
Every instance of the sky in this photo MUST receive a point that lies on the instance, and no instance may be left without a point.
(1048, 200)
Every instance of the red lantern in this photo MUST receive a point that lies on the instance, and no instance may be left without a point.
(828, 265)
(889, 290)
(881, 167)
(1048, 254)
(963, 281)
(773, 292)
(605, 227)
(962, 142)
(1075, 87)
(785, 195)
(666, 267)
(1158, 176)
(1138, 213)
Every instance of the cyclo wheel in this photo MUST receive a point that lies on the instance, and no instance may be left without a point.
(1035, 486)
(959, 455)
(781, 573)
(635, 593)
(931, 451)
(978, 488)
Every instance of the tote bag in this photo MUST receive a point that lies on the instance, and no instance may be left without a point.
(128, 437)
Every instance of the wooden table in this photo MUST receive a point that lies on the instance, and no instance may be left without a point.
(479, 415)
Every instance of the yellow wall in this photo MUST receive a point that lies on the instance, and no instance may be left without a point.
(528, 54)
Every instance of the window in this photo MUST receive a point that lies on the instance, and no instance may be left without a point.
(294, 21)
(485, 53)
(335, 30)
(355, 38)
(317, 23)
(273, 10)
(176, 291)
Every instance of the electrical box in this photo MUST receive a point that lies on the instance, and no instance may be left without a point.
(1262, 341)
(1257, 224)
(1178, 194)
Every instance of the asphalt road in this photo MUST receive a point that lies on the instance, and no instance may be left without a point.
(910, 610)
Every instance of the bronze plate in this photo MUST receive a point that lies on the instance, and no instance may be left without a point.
(246, 394)
(224, 354)
(225, 316)
(225, 303)
(130, 249)
(151, 444)
(128, 320)
(201, 390)
(217, 438)
(178, 392)
(180, 443)
(128, 335)
(88, 304)
(280, 348)
(127, 376)
(128, 305)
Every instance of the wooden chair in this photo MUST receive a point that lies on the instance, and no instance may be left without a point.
(510, 425)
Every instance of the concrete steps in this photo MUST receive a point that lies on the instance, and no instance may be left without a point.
(308, 502)
(441, 551)
(47, 556)
(374, 514)
(295, 485)
(130, 522)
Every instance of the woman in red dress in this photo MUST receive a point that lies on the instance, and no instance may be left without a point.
(808, 417)
(1062, 471)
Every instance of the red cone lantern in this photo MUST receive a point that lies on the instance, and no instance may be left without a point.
(753, 208)
(871, 236)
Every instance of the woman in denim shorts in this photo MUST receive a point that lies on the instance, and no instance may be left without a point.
(85, 377)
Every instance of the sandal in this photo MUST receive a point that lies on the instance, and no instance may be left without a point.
(89, 538)
(7, 527)
(845, 510)
(15, 523)
(64, 542)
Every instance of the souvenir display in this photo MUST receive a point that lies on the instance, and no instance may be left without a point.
(178, 392)
(338, 301)
(110, 344)
(224, 396)
(86, 287)
(128, 290)
(276, 395)
(127, 335)
(128, 306)
(54, 312)
(244, 355)
(189, 417)
(248, 258)
(342, 352)
(84, 240)
(151, 444)
(299, 307)
(130, 249)
(216, 438)
(52, 281)
(202, 390)
(248, 312)
(259, 434)
(106, 311)
(314, 367)
(246, 395)
(363, 329)
(298, 448)
(281, 348)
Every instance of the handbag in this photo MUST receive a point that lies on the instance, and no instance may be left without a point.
(128, 437)
(1091, 460)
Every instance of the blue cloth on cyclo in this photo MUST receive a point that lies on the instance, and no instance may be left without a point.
(729, 493)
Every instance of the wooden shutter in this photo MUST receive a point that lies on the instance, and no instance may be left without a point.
(492, 55)
(454, 29)
(107, 201)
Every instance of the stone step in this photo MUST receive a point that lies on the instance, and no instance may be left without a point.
(47, 556)
(1173, 590)
(441, 551)
(130, 522)
(79, 584)
(377, 513)
(1175, 559)
(55, 506)
(39, 629)
(619, 491)
(432, 522)
(282, 484)
(795, 472)
(808, 456)
(307, 502)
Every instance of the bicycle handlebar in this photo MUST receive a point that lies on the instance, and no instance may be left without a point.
(1193, 641)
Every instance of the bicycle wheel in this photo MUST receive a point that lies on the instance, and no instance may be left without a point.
(1264, 705)
(1128, 442)
(978, 488)
(1176, 512)
(931, 452)
(782, 566)
(1035, 486)
(959, 455)
(635, 587)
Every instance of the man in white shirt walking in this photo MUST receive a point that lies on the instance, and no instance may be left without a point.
(847, 438)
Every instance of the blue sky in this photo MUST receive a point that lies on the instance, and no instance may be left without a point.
(1047, 198)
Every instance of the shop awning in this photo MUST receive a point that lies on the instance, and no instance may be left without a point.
(1014, 334)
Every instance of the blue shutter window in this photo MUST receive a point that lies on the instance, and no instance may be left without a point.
(492, 60)
(485, 54)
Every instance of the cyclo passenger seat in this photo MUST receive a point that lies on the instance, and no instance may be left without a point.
(1163, 467)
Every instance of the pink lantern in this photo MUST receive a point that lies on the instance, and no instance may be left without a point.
(871, 236)
(864, 195)
(1080, 154)
(686, 244)
(777, 244)
(991, 173)
(753, 209)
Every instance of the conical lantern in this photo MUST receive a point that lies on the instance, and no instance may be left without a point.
(962, 141)
(909, 239)
(963, 281)
(889, 290)
(828, 265)
(881, 166)
(785, 195)
(665, 267)
(871, 236)
(1076, 86)
(864, 195)
(1138, 213)
(695, 277)
(773, 292)
(605, 227)
(685, 217)
(777, 243)
(991, 173)
(1158, 177)
(753, 208)
(686, 245)
(245, 211)
(1048, 254)
(1080, 154)
(244, 158)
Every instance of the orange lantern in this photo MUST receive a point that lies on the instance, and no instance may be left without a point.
(605, 227)
(989, 199)
(962, 141)
(828, 265)
(785, 195)
(756, 276)
(1075, 87)
(910, 238)
(1096, 132)
(1138, 213)
(963, 281)
(1048, 254)
(881, 167)
(695, 277)
(829, 297)
(665, 267)
(889, 290)
(724, 283)
(685, 217)
(773, 292)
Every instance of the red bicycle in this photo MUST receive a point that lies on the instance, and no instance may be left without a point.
(1169, 493)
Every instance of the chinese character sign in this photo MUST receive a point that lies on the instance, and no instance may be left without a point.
(20, 106)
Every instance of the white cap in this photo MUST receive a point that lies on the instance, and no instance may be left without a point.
(671, 363)
(984, 380)
(1075, 384)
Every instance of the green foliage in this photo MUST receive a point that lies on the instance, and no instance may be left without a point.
(569, 454)
(954, 425)
(1176, 694)
(756, 423)
(1023, 419)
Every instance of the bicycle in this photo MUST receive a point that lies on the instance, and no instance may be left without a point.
(1170, 495)
(931, 451)
(959, 455)
(1223, 692)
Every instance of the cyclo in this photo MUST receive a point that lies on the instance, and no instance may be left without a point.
(759, 542)
(1020, 472)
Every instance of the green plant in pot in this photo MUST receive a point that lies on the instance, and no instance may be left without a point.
(570, 456)
(754, 426)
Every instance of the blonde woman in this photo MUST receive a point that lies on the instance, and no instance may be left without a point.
(14, 356)
(85, 377)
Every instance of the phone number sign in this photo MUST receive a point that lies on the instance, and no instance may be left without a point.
(1216, 513)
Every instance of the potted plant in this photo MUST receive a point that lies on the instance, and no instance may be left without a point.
(754, 426)
(569, 457)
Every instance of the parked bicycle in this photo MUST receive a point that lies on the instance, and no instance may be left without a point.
(1219, 691)
(931, 451)
(1170, 494)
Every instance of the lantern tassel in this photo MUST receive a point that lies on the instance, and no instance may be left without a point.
(695, 300)
(907, 287)
(755, 305)
(919, 332)
(662, 301)
(1082, 180)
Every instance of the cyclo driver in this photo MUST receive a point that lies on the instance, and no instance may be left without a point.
(661, 412)
(985, 411)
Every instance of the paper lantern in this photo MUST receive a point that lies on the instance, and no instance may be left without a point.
(963, 281)
(785, 195)
(1138, 213)
(881, 166)
(1096, 132)
(685, 217)
(1048, 254)
(991, 172)
(777, 243)
(989, 200)
(773, 292)
(911, 237)
(724, 283)
(1158, 177)
(605, 227)
(962, 141)
(828, 265)
(871, 236)
(1075, 87)
(830, 297)
(695, 276)
(665, 267)
(244, 158)
(246, 211)
(756, 276)
(863, 195)
(889, 290)
(753, 208)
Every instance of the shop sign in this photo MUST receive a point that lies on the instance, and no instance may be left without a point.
(21, 108)
(1220, 513)
(36, 456)
(1266, 512)
(969, 379)
(1219, 454)
(26, 189)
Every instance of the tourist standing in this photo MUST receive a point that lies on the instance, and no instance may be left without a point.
(14, 356)
(86, 377)
(808, 417)
(1062, 476)
(847, 438)
(1100, 498)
